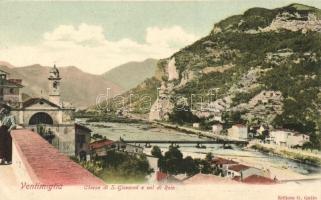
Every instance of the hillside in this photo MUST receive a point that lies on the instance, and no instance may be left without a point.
(261, 67)
(129, 75)
(77, 87)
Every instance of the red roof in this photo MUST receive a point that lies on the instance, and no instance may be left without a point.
(160, 176)
(100, 144)
(238, 167)
(223, 161)
(256, 179)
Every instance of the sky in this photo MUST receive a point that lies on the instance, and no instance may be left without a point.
(98, 36)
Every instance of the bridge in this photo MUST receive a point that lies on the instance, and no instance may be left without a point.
(198, 142)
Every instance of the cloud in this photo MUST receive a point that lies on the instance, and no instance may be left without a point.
(174, 37)
(86, 47)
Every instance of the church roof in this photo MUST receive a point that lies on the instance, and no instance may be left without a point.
(33, 101)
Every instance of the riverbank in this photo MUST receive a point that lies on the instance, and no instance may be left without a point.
(287, 153)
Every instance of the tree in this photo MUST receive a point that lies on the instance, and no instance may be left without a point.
(190, 166)
(156, 151)
(209, 157)
(183, 115)
(206, 167)
(172, 162)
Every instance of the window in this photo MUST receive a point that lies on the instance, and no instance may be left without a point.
(11, 91)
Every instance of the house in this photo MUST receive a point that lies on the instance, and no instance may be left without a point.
(217, 128)
(278, 137)
(102, 147)
(297, 139)
(129, 148)
(288, 138)
(240, 172)
(235, 170)
(82, 140)
(10, 90)
(196, 125)
(238, 131)
(222, 163)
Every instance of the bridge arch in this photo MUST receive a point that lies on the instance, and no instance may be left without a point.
(40, 118)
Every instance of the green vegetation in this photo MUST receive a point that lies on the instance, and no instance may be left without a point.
(183, 116)
(118, 167)
(137, 100)
(289, 154)
(112, 118)
(172, 162)
(291, 60)
(156, 151)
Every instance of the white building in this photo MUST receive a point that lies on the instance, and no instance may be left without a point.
(217, 128)
(238, 131)
(240, 172)
(287, 138)
(196, 125)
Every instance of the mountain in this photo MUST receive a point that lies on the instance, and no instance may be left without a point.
(129, 75)
(77, 87)
(261, 67)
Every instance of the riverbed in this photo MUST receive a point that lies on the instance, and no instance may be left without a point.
(283, 169)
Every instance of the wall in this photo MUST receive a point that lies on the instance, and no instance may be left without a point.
(36, 161)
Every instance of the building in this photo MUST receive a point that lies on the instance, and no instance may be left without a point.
(129, 148)
(43, 115)
(235, 170)
(196, 125)
(10, 90)
(222, 163)
(297, 139)
(217, 128)
(238, 131)
(241, 172)
(83, 137)
(288, 138)
(102, 147)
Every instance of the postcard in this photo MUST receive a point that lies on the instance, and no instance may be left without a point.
(179, 100)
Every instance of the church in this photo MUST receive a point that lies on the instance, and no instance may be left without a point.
(48, 116)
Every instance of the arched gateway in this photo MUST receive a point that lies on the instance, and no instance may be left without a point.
(41, 118)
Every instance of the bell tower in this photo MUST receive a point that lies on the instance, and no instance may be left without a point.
(54, 86)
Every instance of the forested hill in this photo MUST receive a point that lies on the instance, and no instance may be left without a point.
(264, 66)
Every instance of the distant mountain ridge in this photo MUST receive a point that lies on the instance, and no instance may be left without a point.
(78, 87)
(129, 75)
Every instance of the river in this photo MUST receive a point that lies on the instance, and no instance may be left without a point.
(129, 131)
